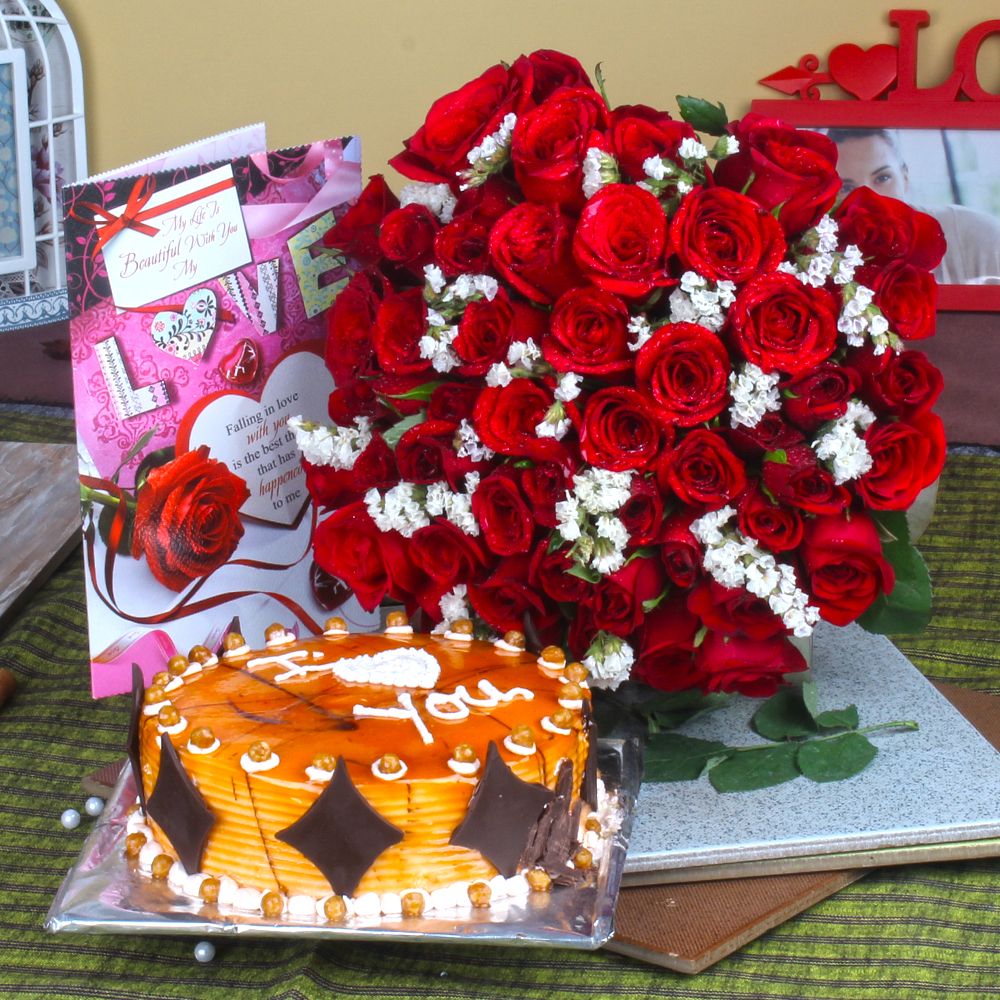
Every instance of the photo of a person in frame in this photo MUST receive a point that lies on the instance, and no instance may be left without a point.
(871, 157)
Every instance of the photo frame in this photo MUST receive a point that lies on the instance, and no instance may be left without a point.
(924, 138)
(17, 221)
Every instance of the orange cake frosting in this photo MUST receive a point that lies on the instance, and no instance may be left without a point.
(364, 767)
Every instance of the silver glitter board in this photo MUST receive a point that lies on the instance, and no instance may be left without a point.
(939, 785)
(103, 893)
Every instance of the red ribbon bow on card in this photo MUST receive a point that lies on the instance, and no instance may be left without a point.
(135, 213)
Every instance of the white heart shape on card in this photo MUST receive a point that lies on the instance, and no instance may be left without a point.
(250, 435)
(186, 334)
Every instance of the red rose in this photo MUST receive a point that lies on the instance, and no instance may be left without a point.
(680, 551)
(909, 384)
(331, 488)
(665, 650)
(407, 236)
(772, 433)
(725, 236)
(616, 603)
(453, 402)
(544, 484)
(448, 557)
(642, 513)
(531, 247)
(396, 390)
(552, 70)
(504, 597)
(886, 229)
(750, 666)
(844, 566)
(776, 527)
(792, 171)
(549, 143)
(801, 481)
(425, 453)
(351, 320)
(484, 333)
(703, 471)
(814, 397)
(399, 324)
(355, 398)
(619, 430)
(686, 370)
(487, 202)
(348, 545)
(457, 122)
(639, 132)
(907, 456)
(462, 246)
(356, 234)
(588, 333)
(782, 325)
(505, 418)
(734, 611)
(187, 518)
(907, 296)
(549, 574)
(621, 240)
(503, 515)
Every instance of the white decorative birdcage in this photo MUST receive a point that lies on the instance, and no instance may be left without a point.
(42, 147)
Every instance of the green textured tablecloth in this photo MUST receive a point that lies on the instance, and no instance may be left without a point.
(918, 931)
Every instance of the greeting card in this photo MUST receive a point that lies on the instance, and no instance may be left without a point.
(198, 295)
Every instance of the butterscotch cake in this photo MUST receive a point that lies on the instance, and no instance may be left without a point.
(357, 774)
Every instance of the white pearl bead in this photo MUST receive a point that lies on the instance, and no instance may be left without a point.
(94, 806)
(70, 819)
(204, 951)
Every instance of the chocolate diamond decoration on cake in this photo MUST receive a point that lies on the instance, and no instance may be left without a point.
(502, 813)
(589, 789)
(179, 809)
(340, 833)
(132, 742)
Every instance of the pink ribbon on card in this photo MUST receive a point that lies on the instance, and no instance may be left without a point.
(342, 182)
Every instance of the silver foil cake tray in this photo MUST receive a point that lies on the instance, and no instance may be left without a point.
(104, 893)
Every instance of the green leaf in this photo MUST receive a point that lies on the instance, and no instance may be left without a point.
(655, 602)
(892, 525)
(908, 608)
(779, 457)
(839, 718)
(643, 552)
(752, 769)
(784, 716)
(672, 757)
(599, 77)
(584, 573)
(833, 760)
(810, 696)
(670, 710)
(703, 115)
(134, 450)
(422, 392)
(396, 431)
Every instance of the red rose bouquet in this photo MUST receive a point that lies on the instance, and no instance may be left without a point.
(629, 389)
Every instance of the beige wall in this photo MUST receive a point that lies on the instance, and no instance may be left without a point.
(164, 72)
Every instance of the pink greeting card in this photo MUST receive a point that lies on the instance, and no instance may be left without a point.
(198, 296)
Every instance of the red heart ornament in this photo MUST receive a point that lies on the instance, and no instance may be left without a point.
(865, 73)
(240, 365)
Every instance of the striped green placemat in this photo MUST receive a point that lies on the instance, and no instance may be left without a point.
(931, 930)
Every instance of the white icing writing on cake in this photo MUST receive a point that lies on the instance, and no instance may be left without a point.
(412, 668)
(445, 706)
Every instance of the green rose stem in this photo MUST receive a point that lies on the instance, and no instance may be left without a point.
(908, 725)
(90, 495)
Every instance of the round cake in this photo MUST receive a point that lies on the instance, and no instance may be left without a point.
(368, 768)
